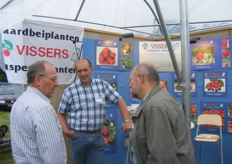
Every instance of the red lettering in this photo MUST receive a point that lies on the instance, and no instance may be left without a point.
(41, 51)
(57, 53)
(65, 53)
(33, 51)
(49, 51)
(27, 50)
(20, 51)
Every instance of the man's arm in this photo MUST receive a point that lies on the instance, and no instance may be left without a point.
(127, 126)
(65, 129)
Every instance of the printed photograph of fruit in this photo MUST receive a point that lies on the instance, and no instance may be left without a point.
(164, 84)
(230, 126)
(226, 63)
(126, 63)
(107, 56)
(225, 53)
(214, 85)
(108, 132)
(193, 108)
(177, 88)
(113, 84)
(219, 112)
(203, 55)
(225, 43)
(126, 49)
(193, 118)
(230, 110)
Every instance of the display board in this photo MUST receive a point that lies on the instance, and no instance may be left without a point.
(211, 89)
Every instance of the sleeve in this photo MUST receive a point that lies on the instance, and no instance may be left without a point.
(64, 106)
(111, 95)
(49, 136)
(159, 136)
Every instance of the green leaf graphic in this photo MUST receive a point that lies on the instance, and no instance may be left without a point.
(8, 45)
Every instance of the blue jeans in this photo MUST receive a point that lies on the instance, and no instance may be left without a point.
(87, 148)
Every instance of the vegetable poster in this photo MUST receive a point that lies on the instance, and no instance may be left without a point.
(114, 55)
(215, 83)
(211, 54)
(109, 132)
(218, 108)
(112, 79)
(193, 87)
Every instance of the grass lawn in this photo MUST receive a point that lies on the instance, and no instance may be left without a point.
(5, 154)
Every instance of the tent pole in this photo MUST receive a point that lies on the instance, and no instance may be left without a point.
(185, 58)
(168, 41)
(79, 11)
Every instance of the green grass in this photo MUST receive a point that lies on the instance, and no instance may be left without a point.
(5, 154)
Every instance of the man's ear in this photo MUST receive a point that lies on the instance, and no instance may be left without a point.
(38, 80)
(141, 77)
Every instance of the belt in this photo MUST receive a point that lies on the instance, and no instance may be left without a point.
(88, 131)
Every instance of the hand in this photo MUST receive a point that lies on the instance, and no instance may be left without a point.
(70, 133)
(127, 126)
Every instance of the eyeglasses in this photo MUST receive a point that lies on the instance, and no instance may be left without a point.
(132, 78)
(54, 79)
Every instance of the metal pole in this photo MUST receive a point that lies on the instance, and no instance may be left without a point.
(185, 58)
(168, 41)
(79, 11)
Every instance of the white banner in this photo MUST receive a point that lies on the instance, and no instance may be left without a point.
(158, 54)
(30, 41)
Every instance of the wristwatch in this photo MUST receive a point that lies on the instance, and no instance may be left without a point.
(127, 120)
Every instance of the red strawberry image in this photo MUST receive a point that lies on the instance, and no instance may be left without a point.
(112, 55)
(105, 142)
(6, 52)
(225, 43)
(226, 53)
(162, 83)
(200, 56)
(105, 131)
(127, 47)
(109, 139)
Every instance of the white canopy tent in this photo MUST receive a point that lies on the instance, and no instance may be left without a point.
(123, 16)
(119, 15)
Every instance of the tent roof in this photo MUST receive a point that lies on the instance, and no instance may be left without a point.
(118, 15)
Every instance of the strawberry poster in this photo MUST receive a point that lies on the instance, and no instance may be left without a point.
(177, 90)
(165, 81)
(114, 55)
(211, 54)
(109, 132)
(218, 108)
(229, 122)
(193, 117)
(215, 84)
(111, 78)
(158, 54)
(30, 41)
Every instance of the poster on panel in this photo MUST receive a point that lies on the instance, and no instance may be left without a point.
(158, 54)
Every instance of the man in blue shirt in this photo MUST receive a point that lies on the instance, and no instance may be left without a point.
(85, 103)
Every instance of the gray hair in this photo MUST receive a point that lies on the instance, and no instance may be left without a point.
(148, 70)
(36, 69)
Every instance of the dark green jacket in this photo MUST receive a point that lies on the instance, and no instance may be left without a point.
(161, 134)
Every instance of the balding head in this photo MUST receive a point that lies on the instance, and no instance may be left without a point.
(148, 70)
